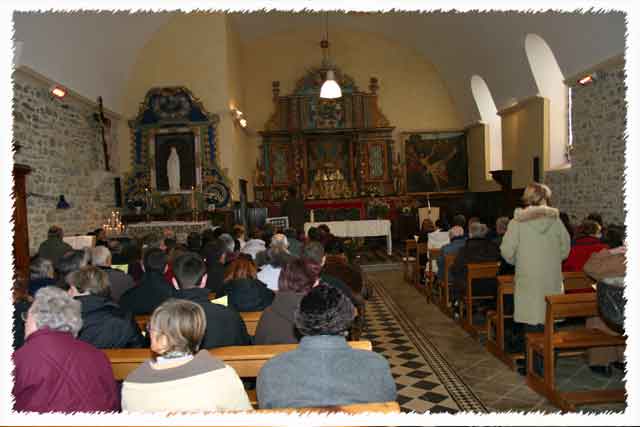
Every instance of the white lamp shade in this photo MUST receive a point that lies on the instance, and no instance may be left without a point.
(330, 88)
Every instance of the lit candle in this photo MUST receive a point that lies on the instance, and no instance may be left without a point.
(193, 198)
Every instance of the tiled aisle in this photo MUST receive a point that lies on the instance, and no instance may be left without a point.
(498, 387)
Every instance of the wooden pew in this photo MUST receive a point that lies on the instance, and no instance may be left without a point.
(573, 281)
(421, 249)
(250, 318)
(410, 246)
(546, 344)
(356, 408)
(434, 253)
(482, 270)
(444, 285)
(245, 360)
(495, 322)
(577, 281)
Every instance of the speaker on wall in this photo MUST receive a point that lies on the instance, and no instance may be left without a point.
(118, 192)
(536, 169)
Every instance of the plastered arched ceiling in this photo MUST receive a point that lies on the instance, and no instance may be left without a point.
(94, 53)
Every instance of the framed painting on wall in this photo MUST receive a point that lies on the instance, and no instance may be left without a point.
(435, 161)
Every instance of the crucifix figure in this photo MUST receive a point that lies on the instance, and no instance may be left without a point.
(102, 122)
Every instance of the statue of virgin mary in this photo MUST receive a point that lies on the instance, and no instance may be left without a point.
(173, 171)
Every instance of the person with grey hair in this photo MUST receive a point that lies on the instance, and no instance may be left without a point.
(230, 254)
(536, 242)
(105, 324)
(477, 248)
(324, 370)
(275, 258)
(41, 274)
(119, 280)
(54, 371)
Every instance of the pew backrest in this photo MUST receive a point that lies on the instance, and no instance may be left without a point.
(245, 360)
(250, 318)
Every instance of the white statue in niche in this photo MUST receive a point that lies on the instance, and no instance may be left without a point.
(173, 171)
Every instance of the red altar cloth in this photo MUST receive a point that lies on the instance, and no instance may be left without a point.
(336, 204)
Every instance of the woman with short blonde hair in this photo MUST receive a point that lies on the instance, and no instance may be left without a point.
(180, 376)
(536, 194)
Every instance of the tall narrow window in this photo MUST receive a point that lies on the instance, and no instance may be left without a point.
(489, 115)
(550, 83)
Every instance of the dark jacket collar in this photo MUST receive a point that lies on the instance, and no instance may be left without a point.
(93, 303)
(194, 294)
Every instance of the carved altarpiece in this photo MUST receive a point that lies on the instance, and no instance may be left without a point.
(175, 116)
(328, 149)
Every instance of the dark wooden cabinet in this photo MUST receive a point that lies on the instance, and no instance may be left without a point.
(21, 226)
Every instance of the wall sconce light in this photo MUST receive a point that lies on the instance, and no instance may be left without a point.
(239, 117)
(58, 91)
(588, 79)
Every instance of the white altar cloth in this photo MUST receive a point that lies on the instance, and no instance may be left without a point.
(364, 228)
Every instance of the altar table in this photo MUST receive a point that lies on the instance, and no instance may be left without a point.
(364, 228)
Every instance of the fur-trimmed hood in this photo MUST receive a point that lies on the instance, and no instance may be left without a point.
(539, 217)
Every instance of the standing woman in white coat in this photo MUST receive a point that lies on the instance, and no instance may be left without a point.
(536, 242)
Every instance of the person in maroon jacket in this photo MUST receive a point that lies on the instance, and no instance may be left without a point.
(54, 371)
(585, 245)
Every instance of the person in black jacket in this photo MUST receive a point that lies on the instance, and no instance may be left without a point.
(104, 324)
(153, 289)
(224, 325)
(215, 253)
(245, 292)
(477, 248)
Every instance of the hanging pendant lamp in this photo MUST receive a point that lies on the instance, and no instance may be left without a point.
(330, 88)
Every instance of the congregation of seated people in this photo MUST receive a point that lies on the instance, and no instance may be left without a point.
(78, 303)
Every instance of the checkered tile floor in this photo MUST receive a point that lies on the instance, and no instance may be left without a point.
(424, 380)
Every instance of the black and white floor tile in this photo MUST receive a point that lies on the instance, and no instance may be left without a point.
(424, 380)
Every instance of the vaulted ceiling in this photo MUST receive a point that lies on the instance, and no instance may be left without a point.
(94, 53)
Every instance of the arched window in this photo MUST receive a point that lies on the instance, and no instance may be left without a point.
(489, 115)
(550, 82)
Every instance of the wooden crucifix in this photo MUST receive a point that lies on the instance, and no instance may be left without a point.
(103, 122)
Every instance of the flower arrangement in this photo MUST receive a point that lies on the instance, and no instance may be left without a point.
(171, 204)
(136, 203)
(378, 208)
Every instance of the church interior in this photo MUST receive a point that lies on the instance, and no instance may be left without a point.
(387, 128)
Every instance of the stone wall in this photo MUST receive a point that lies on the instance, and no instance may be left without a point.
(595, 181)
(61, 142)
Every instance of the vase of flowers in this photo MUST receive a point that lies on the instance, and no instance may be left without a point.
(136, 205)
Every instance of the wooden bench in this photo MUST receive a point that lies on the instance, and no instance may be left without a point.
(408, 261)
(421, 249)
(444, 285)
(577, 281)
(356, 408)
(481, 270)
(250, 318)
(496, 321)
(545, 344)
(573, 281)
(245, 360)
(434, 253)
